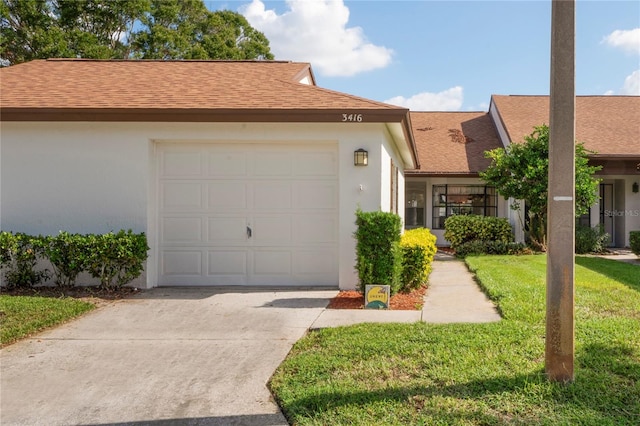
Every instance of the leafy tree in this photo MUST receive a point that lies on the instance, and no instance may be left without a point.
(168, 25)
(185, 29)
(99, 29)
(228, 34)
(520, 171)
(105, 29)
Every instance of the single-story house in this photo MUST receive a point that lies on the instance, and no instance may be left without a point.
(239, 172)
(451, 149)
(248, 173)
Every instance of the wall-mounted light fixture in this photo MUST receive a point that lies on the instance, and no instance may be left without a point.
(360, 157)
(635, 187)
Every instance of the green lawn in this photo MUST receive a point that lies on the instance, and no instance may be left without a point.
(478, 374)
(21, 316)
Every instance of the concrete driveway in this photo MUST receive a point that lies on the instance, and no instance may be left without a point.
(168, 356)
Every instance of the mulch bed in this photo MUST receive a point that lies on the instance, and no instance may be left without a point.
(412, 301)
(447, 250)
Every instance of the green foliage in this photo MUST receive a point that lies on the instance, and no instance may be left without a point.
(116, 259)
(477, 247)
(19, 254)
(99, 29)
(418, 249)
(68, 254)
(634, 242)
(28, 31)
(379, 259)
(462, 229)
(123, 29)
(520, 171)
(591, 240)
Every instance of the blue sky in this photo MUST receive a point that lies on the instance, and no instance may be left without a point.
(447, 55)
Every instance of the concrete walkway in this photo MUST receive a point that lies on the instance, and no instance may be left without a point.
(169, 356)
(192, 356)
(621, 255)
(453, 297)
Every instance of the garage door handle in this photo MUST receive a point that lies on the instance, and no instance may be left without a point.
(248, 232)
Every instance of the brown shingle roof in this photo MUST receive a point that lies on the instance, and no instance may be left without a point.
(453, 143)
(608, 125)
(185, 91)
(200, 88)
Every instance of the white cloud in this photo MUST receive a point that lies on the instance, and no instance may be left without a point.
(316, 32)
(627, 40)
(447, 100)
(631, 84)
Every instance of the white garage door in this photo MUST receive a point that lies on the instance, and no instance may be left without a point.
(248, 214)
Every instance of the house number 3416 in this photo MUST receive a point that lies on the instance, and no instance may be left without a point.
(357, 118)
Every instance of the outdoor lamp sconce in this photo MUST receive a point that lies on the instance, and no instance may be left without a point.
(360, 157)
(634, 187)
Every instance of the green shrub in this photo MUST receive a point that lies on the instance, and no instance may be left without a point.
(591, 240)
(418, 249)
(68, 254)
(462, 229)
(634, 242)
(378, 257)
(19, 254)
(477, 247)
(116, 259)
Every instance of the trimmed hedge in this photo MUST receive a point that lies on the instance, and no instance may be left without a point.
(634, 242)
(418, 249)
(466, 228)
(378, 256)
(477, 247)
(115, 259)
(591, 240)
(19, 254)
(68, 254)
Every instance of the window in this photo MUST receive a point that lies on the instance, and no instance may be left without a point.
(449, 200)
(414, 208)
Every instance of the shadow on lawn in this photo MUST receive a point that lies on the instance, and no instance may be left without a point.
(620, 361)
(611, 269)
(605, 391)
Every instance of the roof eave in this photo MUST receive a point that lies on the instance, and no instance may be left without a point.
(403, 137)
(614, 156)
(296, 115)
(421, 173)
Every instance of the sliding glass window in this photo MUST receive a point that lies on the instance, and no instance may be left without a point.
(449, 200)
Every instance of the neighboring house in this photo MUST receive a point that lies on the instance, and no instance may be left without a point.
(451, 147)
(239, 172)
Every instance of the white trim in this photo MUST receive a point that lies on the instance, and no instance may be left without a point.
(152, 216)
(497, 121)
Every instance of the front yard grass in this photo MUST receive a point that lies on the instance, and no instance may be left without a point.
(21, 316)
(478, 374)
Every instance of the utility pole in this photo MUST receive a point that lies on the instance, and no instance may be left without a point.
(559, 351)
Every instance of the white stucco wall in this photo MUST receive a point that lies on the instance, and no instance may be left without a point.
(98, 177)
